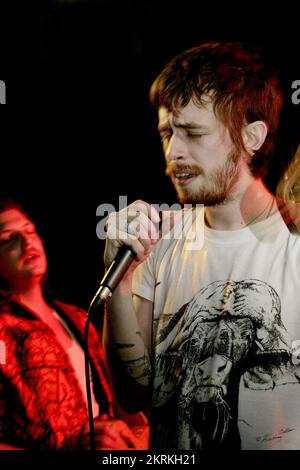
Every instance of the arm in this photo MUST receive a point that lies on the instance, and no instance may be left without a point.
(128, 319)
(127, 344)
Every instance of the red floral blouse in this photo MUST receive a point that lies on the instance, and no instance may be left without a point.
(41, 402)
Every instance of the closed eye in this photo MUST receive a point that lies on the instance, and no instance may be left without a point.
(192, 134)
(7, 240)
(165, 136)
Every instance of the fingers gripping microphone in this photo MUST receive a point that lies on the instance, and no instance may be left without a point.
(113, 275)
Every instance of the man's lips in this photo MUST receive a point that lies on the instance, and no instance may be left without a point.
(183, 174)
(183, 177)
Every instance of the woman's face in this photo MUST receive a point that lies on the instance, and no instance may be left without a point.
(22, 256)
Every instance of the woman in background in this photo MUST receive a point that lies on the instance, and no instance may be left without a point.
(42, 378)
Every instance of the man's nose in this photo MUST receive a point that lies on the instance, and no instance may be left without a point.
(175, 149)
(26, 239)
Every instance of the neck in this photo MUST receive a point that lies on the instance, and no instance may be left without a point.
(250, 203)
(33, 298)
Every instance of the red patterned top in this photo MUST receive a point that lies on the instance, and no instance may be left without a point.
(41, 402)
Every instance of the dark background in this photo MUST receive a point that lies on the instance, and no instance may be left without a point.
(88, 134)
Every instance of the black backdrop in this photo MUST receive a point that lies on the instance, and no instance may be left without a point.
(90, 136)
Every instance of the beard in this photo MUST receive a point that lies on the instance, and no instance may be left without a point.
(216, 188)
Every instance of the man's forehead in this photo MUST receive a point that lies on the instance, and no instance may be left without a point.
(190, 112)
(11, 217)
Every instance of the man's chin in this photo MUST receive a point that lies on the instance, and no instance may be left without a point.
(208, 200)
(188, 197)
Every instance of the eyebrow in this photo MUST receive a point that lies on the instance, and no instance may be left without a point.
(187, 125)
(11, 230)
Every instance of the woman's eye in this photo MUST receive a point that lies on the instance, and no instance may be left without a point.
(30, 229)
(6, 241)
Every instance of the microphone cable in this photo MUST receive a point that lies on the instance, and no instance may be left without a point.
(87, 380)
(111, 279)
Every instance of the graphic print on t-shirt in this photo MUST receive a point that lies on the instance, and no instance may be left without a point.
(229, 331)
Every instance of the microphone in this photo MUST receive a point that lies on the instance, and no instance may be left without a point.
(113, 275)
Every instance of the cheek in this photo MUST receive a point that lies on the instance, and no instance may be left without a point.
(39, 245)
(203, 150)
(41, 248)
(215, 144)
(165, 149)
(43, 251)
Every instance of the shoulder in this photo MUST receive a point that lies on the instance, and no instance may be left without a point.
(8, 317)
(290, 212)
(294, 211)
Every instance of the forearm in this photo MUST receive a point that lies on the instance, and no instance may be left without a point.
(123, 339)
(128, 326)
(125, 348)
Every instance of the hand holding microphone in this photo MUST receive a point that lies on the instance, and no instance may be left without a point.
(131, 235)
(133, 226)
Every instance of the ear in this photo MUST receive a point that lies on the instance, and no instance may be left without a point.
(254, 135)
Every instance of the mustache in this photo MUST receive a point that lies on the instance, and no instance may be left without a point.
(172, 169)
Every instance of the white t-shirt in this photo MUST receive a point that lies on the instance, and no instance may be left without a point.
(226, 336)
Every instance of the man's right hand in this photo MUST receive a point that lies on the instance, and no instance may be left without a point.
(135, 226)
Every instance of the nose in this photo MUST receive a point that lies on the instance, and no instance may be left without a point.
(215, 366)
(175, 149)
(26, 239)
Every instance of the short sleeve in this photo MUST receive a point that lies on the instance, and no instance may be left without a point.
(143, 283)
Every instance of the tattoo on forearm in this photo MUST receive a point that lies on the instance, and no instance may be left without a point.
(138, 368)
(116, 346)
